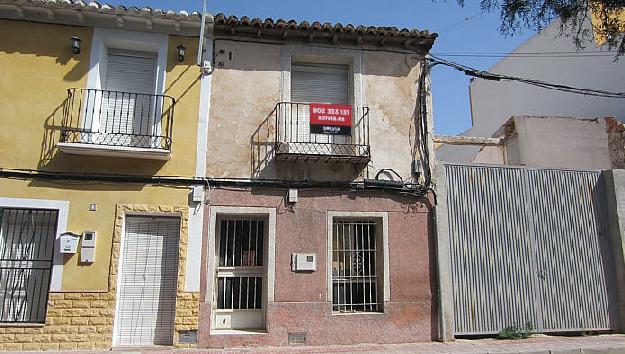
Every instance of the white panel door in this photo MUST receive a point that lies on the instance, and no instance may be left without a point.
(148, 278)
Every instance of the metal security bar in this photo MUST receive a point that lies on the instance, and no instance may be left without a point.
(27, 239)
(240, 270)
(354, 267)
(294, 140)
(115, 118)
(239, 293)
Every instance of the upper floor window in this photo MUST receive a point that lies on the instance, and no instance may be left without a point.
(129, 106)
(320, 83)
(122, 112)
(316, 83)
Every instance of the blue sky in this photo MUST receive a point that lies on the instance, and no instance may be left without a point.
(479, 34)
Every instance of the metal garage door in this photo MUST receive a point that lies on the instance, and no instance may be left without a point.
(146, 297)
(529, 245)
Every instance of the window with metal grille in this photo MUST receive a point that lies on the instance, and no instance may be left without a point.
(27, 239)
(356, 266)
(240, 273)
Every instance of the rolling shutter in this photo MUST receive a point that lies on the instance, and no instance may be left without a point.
(128, 99)
(131, 72)
(317, 83)
(147, 289)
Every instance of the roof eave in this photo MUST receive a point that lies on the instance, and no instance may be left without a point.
(410, 43)
(59, 12)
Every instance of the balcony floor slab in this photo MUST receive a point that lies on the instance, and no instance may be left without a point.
(114, 151)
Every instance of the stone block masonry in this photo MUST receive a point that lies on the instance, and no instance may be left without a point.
(85, 321)
(73, 321)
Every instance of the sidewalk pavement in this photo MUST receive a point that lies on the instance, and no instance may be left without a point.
(539, 344)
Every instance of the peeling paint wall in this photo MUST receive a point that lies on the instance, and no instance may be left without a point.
(247, 85)
(391, 93)
(244, 92)
(491, 155)
(616, 142)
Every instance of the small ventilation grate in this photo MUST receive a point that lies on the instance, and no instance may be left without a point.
(187, 337)
(297, 338)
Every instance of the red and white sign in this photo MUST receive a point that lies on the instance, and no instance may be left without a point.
(335, 119)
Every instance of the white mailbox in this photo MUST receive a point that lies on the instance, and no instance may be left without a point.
(303, 262)
(69, 242)
(87, 248)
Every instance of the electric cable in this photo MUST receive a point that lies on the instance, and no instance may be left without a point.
(177, 181)
(536, 56)
(463, 21)
(469, 71)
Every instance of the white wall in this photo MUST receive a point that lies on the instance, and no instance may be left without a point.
(493, 103)
(557, 142)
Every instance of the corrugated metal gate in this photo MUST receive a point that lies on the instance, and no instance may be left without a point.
(529, 245)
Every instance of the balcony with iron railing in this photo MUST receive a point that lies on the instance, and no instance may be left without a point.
(296, 139)
(115, 123)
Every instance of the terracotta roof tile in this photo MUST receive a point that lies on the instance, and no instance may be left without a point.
(108, 8)
(414, 38)
(221, 19)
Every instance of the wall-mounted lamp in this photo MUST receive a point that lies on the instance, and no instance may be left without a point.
(76, 45)
(181, 52)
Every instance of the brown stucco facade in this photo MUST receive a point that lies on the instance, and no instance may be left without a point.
(300, 304)
(251, 77)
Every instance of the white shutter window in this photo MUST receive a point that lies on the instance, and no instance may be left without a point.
(319, 83)
(128, 104)
(148, 278)
(316, 83)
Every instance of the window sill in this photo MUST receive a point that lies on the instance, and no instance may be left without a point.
(237, 332)
(357, 313)
(27, 325)
(114, 151)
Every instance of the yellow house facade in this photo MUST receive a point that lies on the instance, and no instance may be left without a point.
(105, 104)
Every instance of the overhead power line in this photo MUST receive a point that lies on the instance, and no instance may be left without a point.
(530, 55)
(469, 71)
(464, 20)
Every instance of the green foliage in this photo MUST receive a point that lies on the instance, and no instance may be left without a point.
(517, 332)
(575, 16)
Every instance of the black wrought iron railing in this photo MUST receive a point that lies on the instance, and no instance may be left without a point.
(295, 139)
(26, 255)
(116, 118)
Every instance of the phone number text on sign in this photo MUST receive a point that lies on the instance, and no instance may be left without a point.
(335, 119)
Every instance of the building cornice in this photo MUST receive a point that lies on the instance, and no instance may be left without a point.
(93, 14)
(288, 31)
